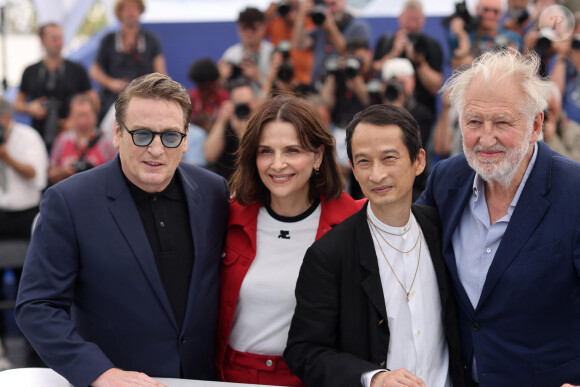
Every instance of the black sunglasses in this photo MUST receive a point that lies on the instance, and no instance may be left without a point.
(144, 137)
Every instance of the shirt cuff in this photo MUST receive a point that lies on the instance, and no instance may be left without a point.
(366, 378)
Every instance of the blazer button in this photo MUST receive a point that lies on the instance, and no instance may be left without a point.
(183, 341)
(475, 326)
(381, 321)
(382, 364)
(223, 255)
(269, 363)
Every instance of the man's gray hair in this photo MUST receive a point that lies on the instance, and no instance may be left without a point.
(496, 68)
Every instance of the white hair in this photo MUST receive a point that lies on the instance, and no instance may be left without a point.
(497, 67)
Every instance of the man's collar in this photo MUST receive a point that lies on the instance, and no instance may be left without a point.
(170, 192)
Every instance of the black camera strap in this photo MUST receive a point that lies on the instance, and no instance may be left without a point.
(90, 145)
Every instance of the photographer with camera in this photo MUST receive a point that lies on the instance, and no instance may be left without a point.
(334, 27)
(564, 70)
(423, 51)
(47, 86)
(561, 134)
(281, 78)
(250, 57)
(208, 94)
(280, 19)
(398, 76)
(223, 139)
(520, 17)
(532, 34)
(470, 38)
(83, 146)
(345, 86)
(23, 167)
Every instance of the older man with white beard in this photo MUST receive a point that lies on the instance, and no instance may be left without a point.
(511, 228)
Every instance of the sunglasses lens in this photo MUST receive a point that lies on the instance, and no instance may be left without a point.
(142, 137)
(171, 139)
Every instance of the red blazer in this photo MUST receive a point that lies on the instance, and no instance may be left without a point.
(240, 250)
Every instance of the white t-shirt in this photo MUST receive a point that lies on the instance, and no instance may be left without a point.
(266, 302)
(25, 145)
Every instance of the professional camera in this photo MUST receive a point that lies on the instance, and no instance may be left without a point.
(284, 7)
(236, 71)
(575, 45)
(242, 110)
(352, 66)
(2, 134)
(393, 90)
(420, 44)
(81, 165)
(374, 90)
(520, 15)
(461, 11)
(331, 65)
(318, 14)
(501, 42)
(543, 45)
(286, 70)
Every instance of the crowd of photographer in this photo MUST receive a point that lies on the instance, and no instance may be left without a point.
(543, 26)
(308, 48)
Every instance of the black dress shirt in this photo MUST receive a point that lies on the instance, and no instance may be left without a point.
(165, 217)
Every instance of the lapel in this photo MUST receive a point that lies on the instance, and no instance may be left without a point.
(527, 215)
(451, 210)
(124, 211)
(371, 284)
(199, 235)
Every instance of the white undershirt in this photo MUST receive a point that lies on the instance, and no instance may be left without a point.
(266, 302)
(417, 339)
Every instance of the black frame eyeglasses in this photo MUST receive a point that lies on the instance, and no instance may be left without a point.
(144, 137)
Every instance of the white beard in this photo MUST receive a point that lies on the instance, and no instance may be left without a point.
(502, 171)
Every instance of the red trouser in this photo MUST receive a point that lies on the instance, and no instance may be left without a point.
(243, 367)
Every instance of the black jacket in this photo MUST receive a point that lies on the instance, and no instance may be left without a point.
(339, 330)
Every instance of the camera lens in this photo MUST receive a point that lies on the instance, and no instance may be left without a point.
(331, 65)
(242, 110)
(318, 14)
(284, 48)
(352, 66)
(236, 71)
(285, 72)
(393, 90)
(283, 8)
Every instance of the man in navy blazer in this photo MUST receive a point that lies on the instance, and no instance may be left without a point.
(121, 277)
(511, 229)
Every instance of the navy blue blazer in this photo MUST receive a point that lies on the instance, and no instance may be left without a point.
(525, 330)
(91, 298)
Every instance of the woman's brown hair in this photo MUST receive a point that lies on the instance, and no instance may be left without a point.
(312, 132)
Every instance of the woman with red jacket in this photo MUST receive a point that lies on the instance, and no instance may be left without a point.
(288, 193)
